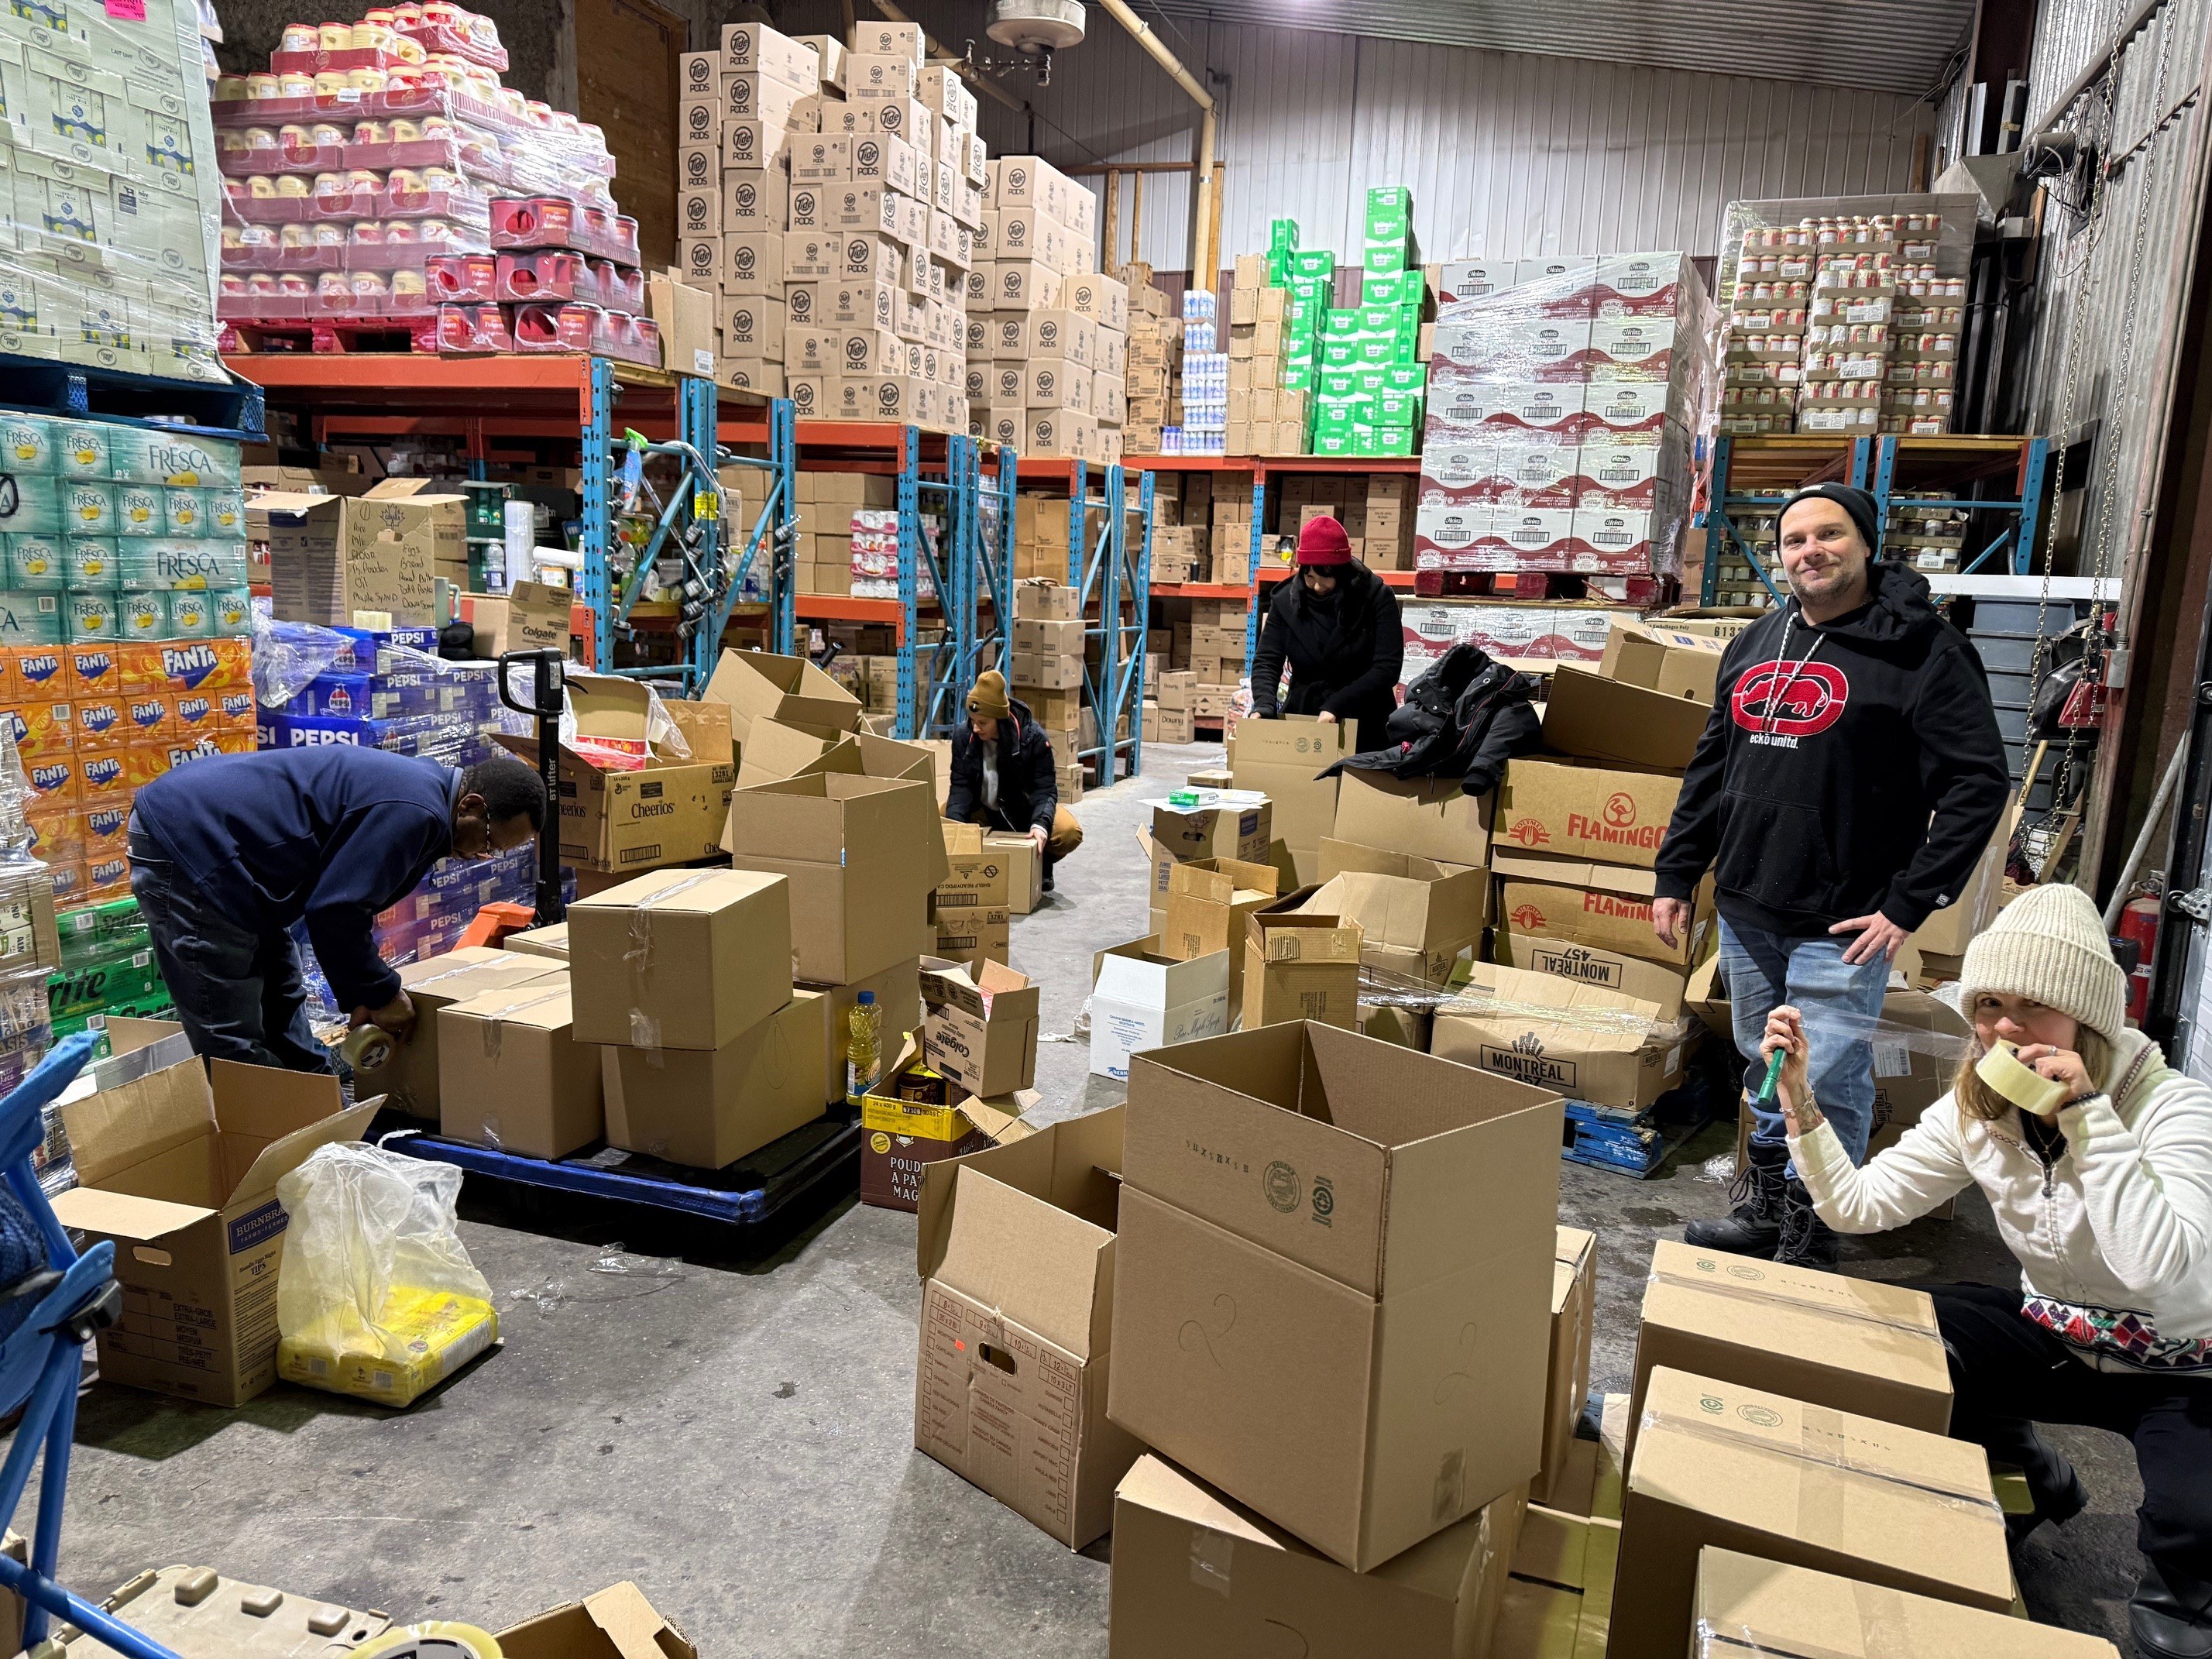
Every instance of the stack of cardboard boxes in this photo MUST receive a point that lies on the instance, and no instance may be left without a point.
(1272, 345)
(834, 193)
(1154, 380)
(826, 502)
(1048, 644)
(1377, 511)
(1558, 420)
(1052, 354)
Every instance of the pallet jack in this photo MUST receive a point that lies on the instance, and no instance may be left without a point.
(495, 921)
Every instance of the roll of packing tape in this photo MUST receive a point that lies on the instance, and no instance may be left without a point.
(435, 1640)
(2022, 1084)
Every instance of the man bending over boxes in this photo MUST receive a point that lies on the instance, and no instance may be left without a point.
(1003, 774)
(228, 851)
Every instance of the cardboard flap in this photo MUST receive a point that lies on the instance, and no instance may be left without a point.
(1302, 936)
(1026, 1260)
(1600, 1021)
(1586, 873)
(111, 1131)
(618, 1623)
(120, 1215)
(1074, 1164)
(889, 757)
(962, 841)
(280, 1157)
(773, 751)
(267, 1101)
(1597, 719)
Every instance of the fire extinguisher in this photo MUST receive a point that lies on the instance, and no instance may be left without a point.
(2139, 920)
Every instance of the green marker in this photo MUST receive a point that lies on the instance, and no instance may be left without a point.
(1773, 1070)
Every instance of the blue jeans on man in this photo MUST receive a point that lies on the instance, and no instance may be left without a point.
(1841, 1002)
(239, 994)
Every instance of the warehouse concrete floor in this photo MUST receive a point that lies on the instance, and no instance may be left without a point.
(736, 1434)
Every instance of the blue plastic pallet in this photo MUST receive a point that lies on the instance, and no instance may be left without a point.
(200, 409)
(817, 1159)
(1633, 1143)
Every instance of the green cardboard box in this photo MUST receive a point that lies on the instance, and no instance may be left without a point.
(1315, 262)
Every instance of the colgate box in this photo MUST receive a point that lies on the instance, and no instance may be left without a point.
(1520, 413)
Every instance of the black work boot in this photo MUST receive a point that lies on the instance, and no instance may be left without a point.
(1806, 1241)
(1754, 1227)
(2170, 1615)
(2054, 1486)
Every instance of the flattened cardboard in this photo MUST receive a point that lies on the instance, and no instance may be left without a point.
(1766, 1606)
(1857, 1345)
(178, 1168)
(1282, 759)
(1016, 1251)
(1566, 1386)
(980, 1027)
(759, 684)
(861, 854)
(1423, 817)
(1594, 718)
(1198, 1576)
(1313, 1226)
(618, 1623)
(681, 958)
(709, 1109)
(1575, 809)
(1415, 915)
(1717, 1463)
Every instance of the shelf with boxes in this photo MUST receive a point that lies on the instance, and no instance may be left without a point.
(1082, 577)
(735, 542)
(1961, 501)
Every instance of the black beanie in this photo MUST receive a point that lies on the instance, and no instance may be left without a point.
(1857, 502)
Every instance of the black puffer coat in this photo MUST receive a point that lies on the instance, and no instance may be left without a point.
(1345, 653)
(1464, 718)
(1029, 787)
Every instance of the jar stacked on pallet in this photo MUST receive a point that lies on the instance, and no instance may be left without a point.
(380, 177)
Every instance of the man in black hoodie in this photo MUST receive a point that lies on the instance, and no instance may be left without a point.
(1846, 786)
(1003, 775)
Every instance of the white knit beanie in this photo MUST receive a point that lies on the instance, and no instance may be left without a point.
(2049, 944)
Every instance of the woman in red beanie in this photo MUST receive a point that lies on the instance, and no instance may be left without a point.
(1335, 625)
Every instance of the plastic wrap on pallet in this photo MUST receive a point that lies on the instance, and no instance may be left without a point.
(108, 164)
(1564, 631)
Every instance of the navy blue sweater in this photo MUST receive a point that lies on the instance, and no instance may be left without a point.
(329, 834)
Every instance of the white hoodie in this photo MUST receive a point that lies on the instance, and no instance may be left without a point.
(2114, 1240)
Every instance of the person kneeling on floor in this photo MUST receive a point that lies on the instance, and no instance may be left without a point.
(1004, 774)
(2105, 1197)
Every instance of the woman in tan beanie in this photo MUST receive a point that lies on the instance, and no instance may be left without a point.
(2105, 1195)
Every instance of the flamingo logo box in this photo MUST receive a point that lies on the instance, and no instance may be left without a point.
(1578, 810)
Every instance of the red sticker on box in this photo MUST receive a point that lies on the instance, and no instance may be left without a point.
(129, 11)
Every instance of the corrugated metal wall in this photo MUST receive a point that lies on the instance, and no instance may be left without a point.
(1507, 156)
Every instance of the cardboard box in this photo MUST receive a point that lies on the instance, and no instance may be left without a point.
(1282, 759)
(1314, 1227)
(681, 958)
(1425, 817)
(1589, 1044)
(791, 689)
(1141, 997)
(708, 1109)
(980, 1027)
(1225, 824)
(619, 814)
(1577, 809)
(1198, 1576)
(1025, 871)
(862, 855)
(1666, 660)
(1415, 915)
(975, 936)
(1607, 907)
(1614, 972)
(1208, 900)
(410, 1079)
(898, 994)
(618, 1623)
(512, 1075)
(1722, 1464)
(1566, 1386)
(177, 1167)
(1016, 1246)
(1300, 963)
(686, 317)
(1857, 1345)
(1766, 1607)
(1594, 718)
(912, 1123)
(1558, 1602)
(773, 750)
(552, 942)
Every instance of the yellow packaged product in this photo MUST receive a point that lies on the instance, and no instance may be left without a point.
(420, 1338)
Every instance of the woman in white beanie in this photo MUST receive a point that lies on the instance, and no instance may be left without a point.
(2106, 1200)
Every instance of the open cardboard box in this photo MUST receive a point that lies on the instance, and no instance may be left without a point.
(618, 1623)
(980, 1027)
(760, 686)
(1424, 818)
(1208, 900)
(1282, 759)
(617, 815)
(1583, 901)
(178, 1168)
(1143, 998)
(1301, 962)
(1415, 915)
(1016, 1248)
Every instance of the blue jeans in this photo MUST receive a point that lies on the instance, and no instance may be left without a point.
(237, 992)
(1840, 1003)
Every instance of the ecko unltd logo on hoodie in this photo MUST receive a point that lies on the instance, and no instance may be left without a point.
(1792, 699)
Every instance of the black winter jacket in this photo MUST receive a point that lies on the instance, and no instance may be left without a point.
(1848, 767)
(1344, 657)
(1464, 718)
(1028, 785)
